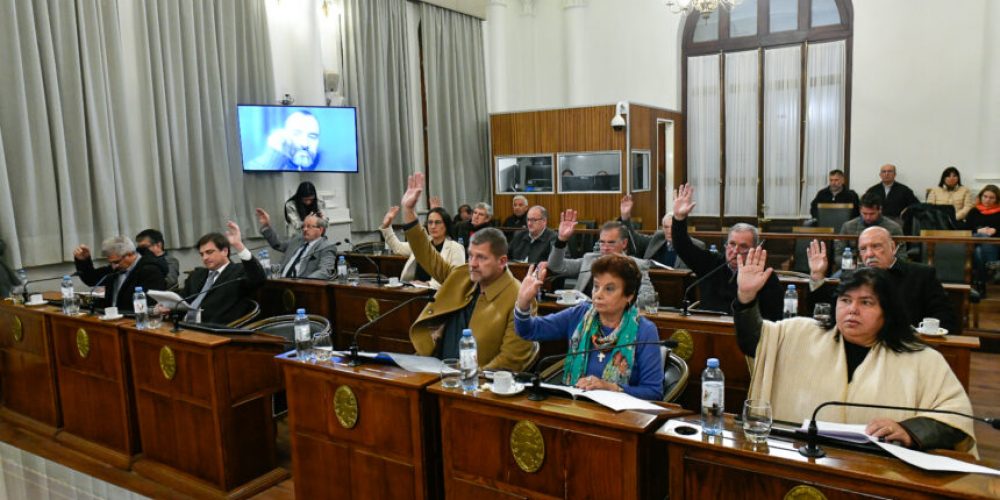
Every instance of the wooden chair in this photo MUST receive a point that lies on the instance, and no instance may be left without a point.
(800, 259)
(833, 214)
(675, 375)
(952, 261)
(248, 317)
(284, 326)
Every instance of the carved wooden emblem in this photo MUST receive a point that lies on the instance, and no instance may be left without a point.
(17, 329)
(168, 363)
(371, 309)
(804, 492)
(685, 344)
(82, 342)
(288, 300)
(527, 446)
(345, 406)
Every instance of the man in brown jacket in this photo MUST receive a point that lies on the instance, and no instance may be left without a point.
(479, 295)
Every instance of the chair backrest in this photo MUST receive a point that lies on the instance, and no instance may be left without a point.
(833, 214)
(949, 260)
(581, 243)
(801, 261)
(536, 348)
(675, 375)
(284, 326)
(252, 313)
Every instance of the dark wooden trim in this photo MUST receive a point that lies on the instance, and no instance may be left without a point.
(423, 116)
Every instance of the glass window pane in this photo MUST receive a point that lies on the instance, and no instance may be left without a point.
(743, 19)
(825, 13)
(640, 171)
(784, 15)
(707, 29)
(584, 172)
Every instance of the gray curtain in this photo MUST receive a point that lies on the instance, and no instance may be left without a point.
(121, 116)
(457, 118)
(376, 80)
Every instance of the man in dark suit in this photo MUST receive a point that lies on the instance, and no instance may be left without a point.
(923, 295)
(520, 216)
(534, 244)
(835, 192)
(894, 196)
(482, 217)
(221, 302)
(309, 255)
(152, 241)
(659, 246)
(125, 271)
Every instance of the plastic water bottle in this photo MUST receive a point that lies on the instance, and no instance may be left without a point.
(791, 308)
(303, 336)
(468, 361)
(265, 260)
(342, 268)
(67, 293)
(713, 397)
(139, 305)
(714, 249)
(847, 261)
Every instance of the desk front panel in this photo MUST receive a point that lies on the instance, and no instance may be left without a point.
(28, 386)
(283, 296)
(356, 305)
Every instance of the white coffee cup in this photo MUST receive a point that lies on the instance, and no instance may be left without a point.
(393, 281)
(929, 325)
(503, 382)
(36, 298)
(110, 312)
(567, 296)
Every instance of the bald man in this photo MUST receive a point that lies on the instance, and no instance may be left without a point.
(922, 293)
(894, 196)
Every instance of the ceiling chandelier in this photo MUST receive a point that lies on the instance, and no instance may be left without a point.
(704, 7)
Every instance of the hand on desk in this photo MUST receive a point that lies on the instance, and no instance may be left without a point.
(889, 430)
(592, 383)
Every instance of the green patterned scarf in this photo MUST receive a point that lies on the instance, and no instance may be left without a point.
(588, 336)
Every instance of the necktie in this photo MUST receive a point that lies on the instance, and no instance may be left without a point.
(293, 269)
(192, 315)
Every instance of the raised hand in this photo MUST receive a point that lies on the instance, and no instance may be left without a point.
(683, 201)
(234, 236)
(389, 216)
(816, 252)
(263, 219)
(532, 282)
(753, 274)
(414, 188)
(625, 207)
(567, 224)
(436, 202)
(81, 252)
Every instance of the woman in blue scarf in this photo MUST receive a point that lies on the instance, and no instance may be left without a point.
(608, 323)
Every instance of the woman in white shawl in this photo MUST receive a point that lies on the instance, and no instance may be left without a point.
(870, 355)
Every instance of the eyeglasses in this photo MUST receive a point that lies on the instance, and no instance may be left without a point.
(604, 243)
(435, 223)
(311, 226)
(738, 247)
(535, 220)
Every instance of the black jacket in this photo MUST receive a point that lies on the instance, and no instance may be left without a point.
(226, 303)
(515, 221)
(718, 291)
(900, 197)
(826, 196)
(146, 274)
(464, 230)
(521, 247)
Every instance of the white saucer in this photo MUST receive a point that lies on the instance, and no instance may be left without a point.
(37, 304)
(517, 389)
(575, 302)
(940, 333)
(111, 318)
(397, 285)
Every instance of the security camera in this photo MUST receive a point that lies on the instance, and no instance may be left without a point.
(618, 122)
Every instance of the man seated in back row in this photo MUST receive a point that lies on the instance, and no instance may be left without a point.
(151, 241)
(479, 295)
(309, 255)
(659, 247)
(222, 290)
(125, 271)
(533, 245)
(871, 216)
(613, 240)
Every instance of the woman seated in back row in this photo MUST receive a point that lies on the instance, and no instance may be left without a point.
(984, 221)
(869, 355)
(609, 323)
(438, 227)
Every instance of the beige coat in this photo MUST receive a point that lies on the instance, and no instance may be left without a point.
(452, 252)
(960, 198)
(492, 321)
(798, 365)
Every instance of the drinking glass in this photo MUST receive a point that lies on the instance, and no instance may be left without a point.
(154, 318)
(451, 374)
(353, 276)
(322, 346)
(757, 420)
(275, 271)
(822, 313)
(72, 305)
(651, 302)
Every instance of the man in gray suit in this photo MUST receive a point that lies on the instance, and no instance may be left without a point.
(310, 255)
(613, 239)
(657, 247)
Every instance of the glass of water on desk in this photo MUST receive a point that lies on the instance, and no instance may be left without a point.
(451, 373)
(757, 420)
(322, 346)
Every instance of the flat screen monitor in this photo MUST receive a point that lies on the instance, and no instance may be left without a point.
(298, 138)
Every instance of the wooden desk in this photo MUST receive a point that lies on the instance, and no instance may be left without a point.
(356, 305)
(204, 410)
(384, 445)
(279, 296)
(589, 451)
(706, 337)
(95, 387)
(28, 389)
(391, 264)
(670, 285)
(728, 467)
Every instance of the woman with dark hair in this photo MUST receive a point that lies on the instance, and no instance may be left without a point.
(610, 323)
(300, 205)
(869, 355)
(438, 228)
(464, 213)
(984, 221)
(950, 191)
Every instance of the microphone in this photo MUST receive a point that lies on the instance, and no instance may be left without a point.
(812, 450)
(536, 393)
(355, 359)
(685, 303)
(24, 291)
(378, 268)
(183, 305)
